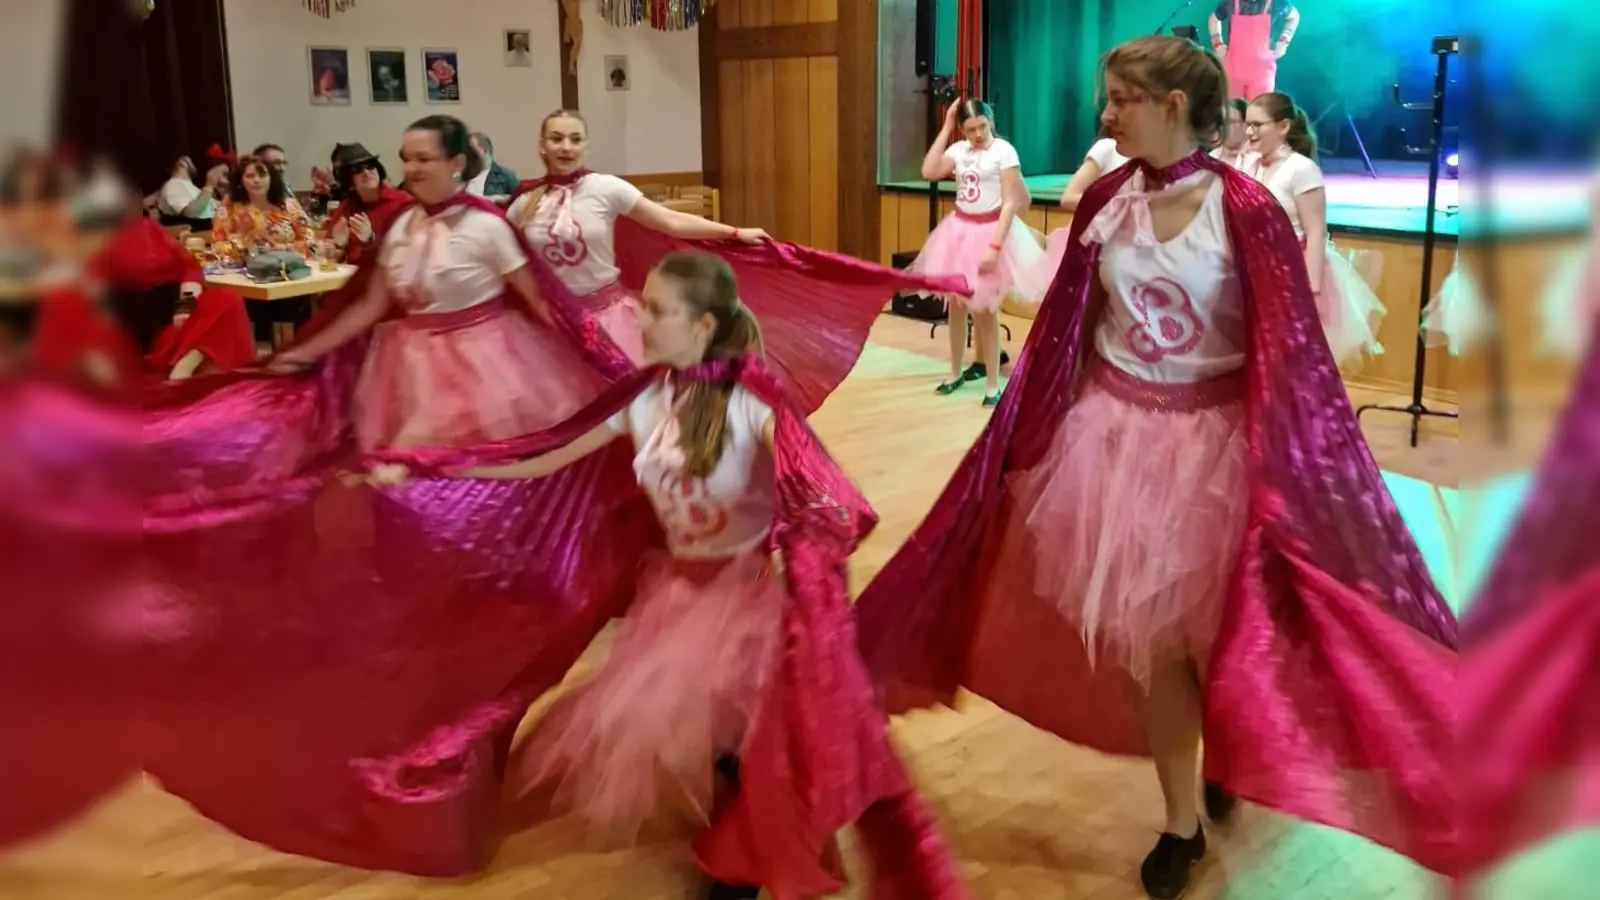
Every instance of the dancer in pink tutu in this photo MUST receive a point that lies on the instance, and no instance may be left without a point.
(477, 355)
(570, 216)
(1172, 527)
(984, 239)
(1280, 134)
(680, 729)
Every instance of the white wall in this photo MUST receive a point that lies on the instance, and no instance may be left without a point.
(30, 44)
(655, 127)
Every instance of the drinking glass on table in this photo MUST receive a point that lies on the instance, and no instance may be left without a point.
(327, 256)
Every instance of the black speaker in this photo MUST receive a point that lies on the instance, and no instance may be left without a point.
(927, 34)
(922, 307)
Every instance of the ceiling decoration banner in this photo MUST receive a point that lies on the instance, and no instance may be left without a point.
(662, 15)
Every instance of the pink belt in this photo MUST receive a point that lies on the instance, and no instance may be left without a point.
(991, 216)
(1182, 397)
(456, 319)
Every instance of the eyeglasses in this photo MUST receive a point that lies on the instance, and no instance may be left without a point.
(1256, 126)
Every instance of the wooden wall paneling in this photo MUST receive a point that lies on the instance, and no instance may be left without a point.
(730, 14)
(822, 130)
(711, 100)
(823, 11)
(791, 108)
(858, 126)
(760, 144)
(780, 41)
(734, 184)
(758, 13)
(790, 12)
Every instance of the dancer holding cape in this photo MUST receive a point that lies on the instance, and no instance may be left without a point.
(602, 238)
(726, 665)
(1172, 524)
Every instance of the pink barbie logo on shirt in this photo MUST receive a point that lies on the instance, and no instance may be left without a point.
(969, 187)
(564, 250)
(692, 515)
(1170, 326)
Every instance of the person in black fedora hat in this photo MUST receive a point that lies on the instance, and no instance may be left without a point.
(368, 203)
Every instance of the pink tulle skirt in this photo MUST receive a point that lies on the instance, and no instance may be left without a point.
(1034, 282)
(631, 750)
(1349, 310)
(486, 373)
(1455, 316)
(958, 246)
(1132, 522)
(616, 311)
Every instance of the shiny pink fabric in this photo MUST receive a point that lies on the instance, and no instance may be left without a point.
(1331, 679)
(816, 308)
(1530, 725)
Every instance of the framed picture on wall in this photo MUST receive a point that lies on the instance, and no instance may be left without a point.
(386, 75)
(330, 76)
(519, 48)
(617, 77)
(443, 70)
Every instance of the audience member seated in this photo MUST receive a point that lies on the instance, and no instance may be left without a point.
(181, 202)
(496, 182)
(370, 204)
(259, 211)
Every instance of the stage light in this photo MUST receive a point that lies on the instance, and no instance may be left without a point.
(1452, 165)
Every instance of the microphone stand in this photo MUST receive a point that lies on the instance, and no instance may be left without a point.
(1174, 14)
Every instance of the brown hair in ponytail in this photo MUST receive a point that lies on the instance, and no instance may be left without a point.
(707, 287)
(1281, 107)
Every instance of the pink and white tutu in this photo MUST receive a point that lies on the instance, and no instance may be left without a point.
(1349, 310)
(958, 246)
(616, 310)
(631, 750)
(1035, 281)
(1570, 304)
(1132, 522)
(482, 374)
(1455, 317)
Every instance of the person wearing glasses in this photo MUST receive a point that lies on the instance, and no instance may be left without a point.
(1259, 33)
(1286, 162)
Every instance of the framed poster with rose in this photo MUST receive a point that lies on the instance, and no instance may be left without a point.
(443, 70)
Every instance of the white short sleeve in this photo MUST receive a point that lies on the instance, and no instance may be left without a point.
(497, 243)
(955, 151)
(618, 195)
(1005, 155)
(515, 211)
(747, 411)
(1104, 154)
(1305, 177)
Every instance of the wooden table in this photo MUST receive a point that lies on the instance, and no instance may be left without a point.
(318, 282)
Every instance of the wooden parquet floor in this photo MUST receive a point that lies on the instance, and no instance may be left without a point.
(1031, 817)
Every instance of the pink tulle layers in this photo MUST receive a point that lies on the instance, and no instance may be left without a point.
(616, 310)
(631, 750)
(1349, 310)
(483, 374)
(957, 247)
(1132, 521)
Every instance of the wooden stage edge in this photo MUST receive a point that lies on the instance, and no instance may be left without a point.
(1525, 264)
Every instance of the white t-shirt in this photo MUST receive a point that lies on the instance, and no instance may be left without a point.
(177, 194)
(978, 174)
(1174, 312)
(1287, 179)
(1104, 154)
(479, 183)
(460, 260)
(1245, 160)
(721, 516)
(583, 252)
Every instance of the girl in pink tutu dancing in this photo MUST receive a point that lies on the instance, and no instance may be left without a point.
(684, 725)
(984, 239)
(1286, 162)
(1171, 526)
(570, 217)
(475, 354)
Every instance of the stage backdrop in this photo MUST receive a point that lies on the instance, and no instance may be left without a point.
(1044, 58)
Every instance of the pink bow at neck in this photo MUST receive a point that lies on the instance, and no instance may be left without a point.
(556, 204)
(664, 448)
(427, 248)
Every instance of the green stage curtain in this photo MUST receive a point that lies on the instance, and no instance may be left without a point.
(1043, 60)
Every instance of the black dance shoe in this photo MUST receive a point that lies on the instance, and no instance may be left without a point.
(946, 388)
(1165, 872)
(992, 400)
(720, 891)
(1219, 802)
(975, 372)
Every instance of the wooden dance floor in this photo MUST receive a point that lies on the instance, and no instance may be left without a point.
(1030, 817)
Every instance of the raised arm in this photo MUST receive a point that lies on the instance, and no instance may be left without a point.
(935, 165)
(548, 463)
(656, 217)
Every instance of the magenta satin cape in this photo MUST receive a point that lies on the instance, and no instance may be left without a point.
(1330, 685)
(1530, 724)
(818, 759)
(816, 308)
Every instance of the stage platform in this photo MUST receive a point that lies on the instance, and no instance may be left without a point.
(1395, 203)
